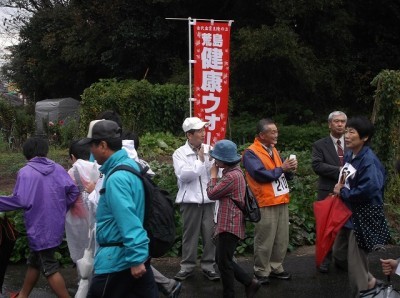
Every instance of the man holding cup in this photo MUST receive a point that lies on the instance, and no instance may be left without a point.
(266, 174)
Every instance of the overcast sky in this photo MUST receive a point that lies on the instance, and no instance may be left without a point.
(5, 39)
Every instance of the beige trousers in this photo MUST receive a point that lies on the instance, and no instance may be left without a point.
(347, 255)
(271, 240)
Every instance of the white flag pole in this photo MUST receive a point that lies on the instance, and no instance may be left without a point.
(191, 99)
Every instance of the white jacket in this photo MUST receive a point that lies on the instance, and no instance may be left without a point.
(193, 175)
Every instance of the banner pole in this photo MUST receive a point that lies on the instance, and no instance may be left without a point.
(185, 19)
(190, 66)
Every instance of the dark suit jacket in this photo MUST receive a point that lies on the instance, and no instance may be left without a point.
(326, 164)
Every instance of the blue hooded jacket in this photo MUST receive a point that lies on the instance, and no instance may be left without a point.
(367, 185)
(119, 218)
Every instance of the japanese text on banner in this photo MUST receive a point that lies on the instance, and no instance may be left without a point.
(211, 77)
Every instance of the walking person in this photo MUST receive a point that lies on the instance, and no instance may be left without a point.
(170, 288)
(80, 218)
(362, 188)
(327, 160)
(44, 191)
(192, 168)
(267, 174)
(228, 191)
(122, 261)
(130, 143)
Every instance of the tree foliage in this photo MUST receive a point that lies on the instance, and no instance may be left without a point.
(295, 59)
(386, 117)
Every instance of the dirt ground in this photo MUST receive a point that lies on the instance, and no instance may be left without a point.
(7, 184)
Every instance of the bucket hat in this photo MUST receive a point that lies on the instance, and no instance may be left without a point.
(225, 151)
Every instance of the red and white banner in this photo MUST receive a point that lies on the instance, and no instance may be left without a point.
(211, 77)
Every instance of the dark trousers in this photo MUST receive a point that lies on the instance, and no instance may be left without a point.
(123, 284)
(226, 245)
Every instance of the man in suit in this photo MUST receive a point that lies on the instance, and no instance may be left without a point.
(327, 160)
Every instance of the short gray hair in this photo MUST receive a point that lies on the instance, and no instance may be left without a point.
(336, 113)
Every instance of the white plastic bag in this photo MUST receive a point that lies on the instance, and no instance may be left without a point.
(85, 265)
(82, 289)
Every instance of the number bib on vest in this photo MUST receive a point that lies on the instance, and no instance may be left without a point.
(280, 186)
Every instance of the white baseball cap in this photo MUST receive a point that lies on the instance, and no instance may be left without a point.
(193, 123)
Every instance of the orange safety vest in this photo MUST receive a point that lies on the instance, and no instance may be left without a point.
(269, 193)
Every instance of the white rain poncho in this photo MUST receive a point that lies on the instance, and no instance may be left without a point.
(80, 219)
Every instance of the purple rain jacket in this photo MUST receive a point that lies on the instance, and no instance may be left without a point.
(45, 191)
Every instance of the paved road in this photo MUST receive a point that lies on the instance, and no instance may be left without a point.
(306, 281)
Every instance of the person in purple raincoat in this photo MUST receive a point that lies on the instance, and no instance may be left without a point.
(44, 191)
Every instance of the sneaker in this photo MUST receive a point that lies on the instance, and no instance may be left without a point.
(324, 268)
(264, 280)
(211, 275)
(175, 291)
(283, 275)
(252, 288)
(183, 274)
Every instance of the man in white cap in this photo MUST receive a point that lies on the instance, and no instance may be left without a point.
(192, 168)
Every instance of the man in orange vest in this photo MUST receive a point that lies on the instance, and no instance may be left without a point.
(266, 174)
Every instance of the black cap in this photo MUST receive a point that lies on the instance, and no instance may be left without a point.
(102, 130)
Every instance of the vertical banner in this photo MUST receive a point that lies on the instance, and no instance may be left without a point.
(211, 76)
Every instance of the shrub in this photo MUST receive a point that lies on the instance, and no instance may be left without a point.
(291, 137)
(68, 132)
(143, 107)
(157, 149)
(303, 193)
(159, 146)
(16, 124)
(24, 125)
(6, 119)
(386, 118)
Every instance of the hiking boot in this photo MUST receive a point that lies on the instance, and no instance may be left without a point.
(183, 274)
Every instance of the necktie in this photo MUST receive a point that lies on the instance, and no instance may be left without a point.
(340, 151)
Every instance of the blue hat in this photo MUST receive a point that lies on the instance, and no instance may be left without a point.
(226, 151)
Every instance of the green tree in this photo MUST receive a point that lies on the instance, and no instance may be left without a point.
(386, 117)
(66, 48)
(293, 59)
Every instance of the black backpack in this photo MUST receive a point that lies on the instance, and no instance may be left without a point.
(159, 220)
(251, 210)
